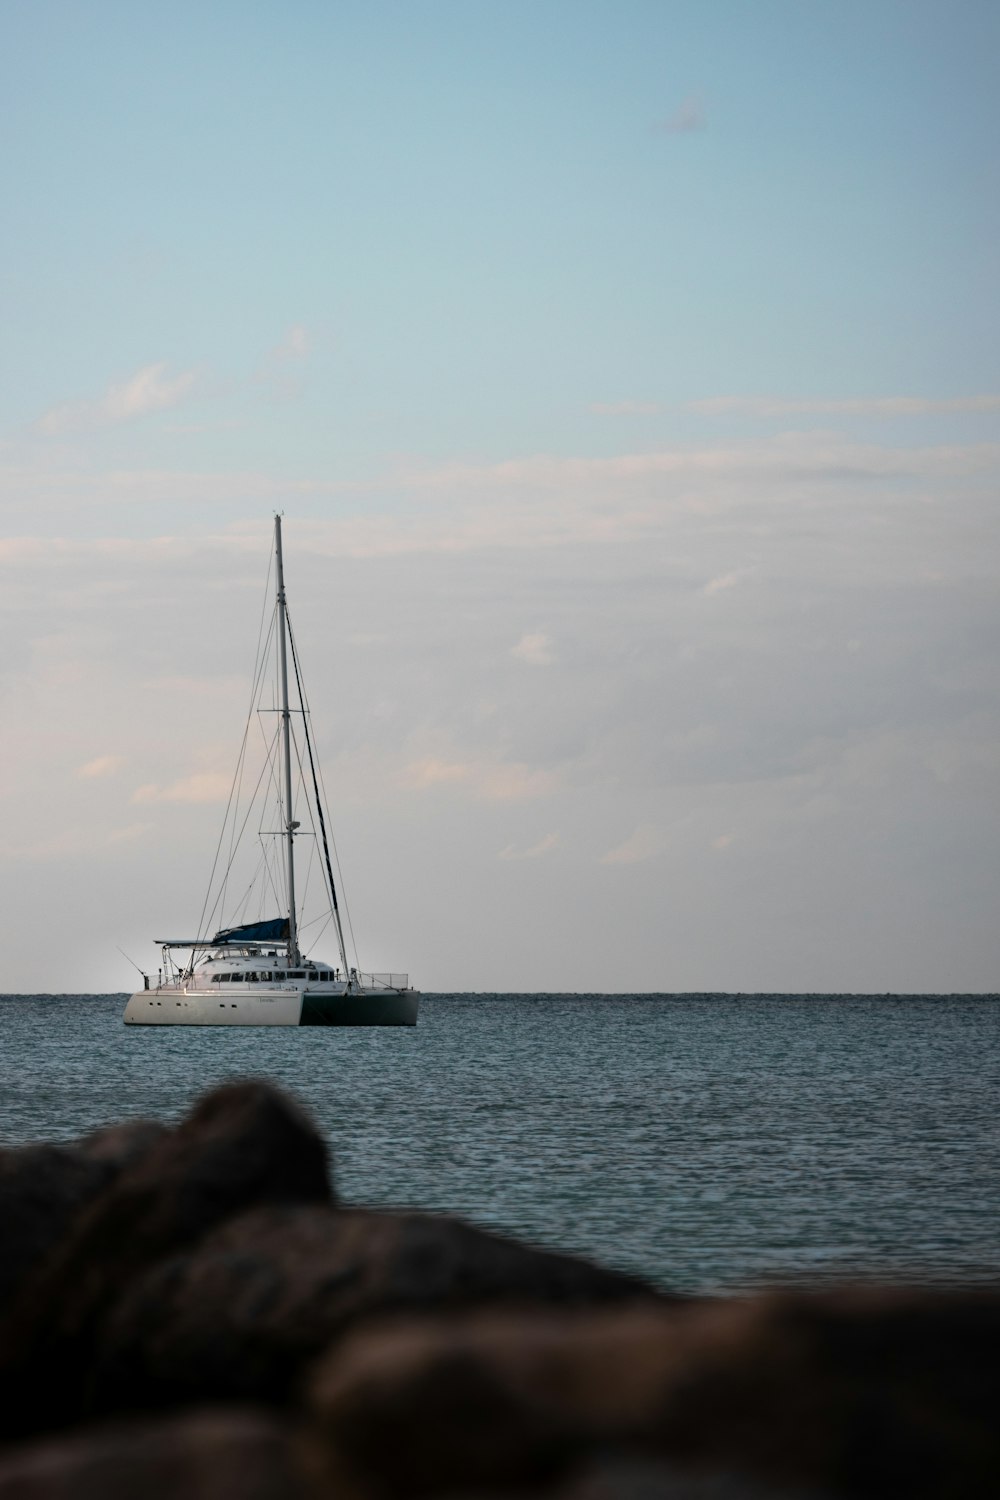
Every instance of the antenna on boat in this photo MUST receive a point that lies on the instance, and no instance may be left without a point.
(135, 966)
(294, 956)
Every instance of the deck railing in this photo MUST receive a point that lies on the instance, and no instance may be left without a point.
(386, 981)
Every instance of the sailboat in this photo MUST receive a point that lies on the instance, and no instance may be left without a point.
(262, 972)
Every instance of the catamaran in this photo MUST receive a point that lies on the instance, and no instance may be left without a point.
(261, 972)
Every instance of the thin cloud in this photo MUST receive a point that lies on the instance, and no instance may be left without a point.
(102, 765)
(129, 833)
(538, 501)
(543, 847)
(723, 581)
(535, 649)
(490, 781)
(203, 786)
(645, 843)
(295, 344)
(281, 369)
(624, 408)
(687, 117)
(864, 406)
(148, 390)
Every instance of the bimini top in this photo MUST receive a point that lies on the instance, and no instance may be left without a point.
(273, 931)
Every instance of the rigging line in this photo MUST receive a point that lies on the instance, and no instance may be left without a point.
(301, 783)
(261, 655)
(237, 776)
(217, 913)
(325, 801)
(336, 858)
(305, 887)
(250, 806)
(271, 764)
(237, 780)
(269, 880)
(238, 906)
(312, 820)
(316, 939)
(312, 765)
(324, 917)
(306, 715)
(239, 910)
(258, 683)
(260, 669)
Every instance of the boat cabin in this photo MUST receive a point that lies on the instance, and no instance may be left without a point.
(244, 963)
(260, 968)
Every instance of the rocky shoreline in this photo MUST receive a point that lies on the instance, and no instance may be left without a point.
(190, 1311)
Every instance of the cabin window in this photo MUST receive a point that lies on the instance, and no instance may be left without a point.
(225, 978)
(296, 973)
(235, 977)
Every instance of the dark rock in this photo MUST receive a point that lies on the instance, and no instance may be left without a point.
(855, 1393)
(242, 1145)
(495, 1401)
(642, 1479)
(44, 1188)
(240, 1315)
(208, 1455)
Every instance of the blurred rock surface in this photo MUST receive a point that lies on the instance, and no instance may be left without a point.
(242, 1145)
(240, 1315)
(393, 1356)
(862, 1392)
(43, 1189)
(207, 1455)
(638, 1479)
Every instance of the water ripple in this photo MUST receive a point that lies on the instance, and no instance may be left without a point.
(704, 1141)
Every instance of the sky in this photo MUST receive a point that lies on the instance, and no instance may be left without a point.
(628, 375)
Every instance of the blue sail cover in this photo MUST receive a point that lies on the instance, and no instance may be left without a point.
(274, 931)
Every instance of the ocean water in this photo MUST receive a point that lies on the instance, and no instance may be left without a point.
(708, 1142)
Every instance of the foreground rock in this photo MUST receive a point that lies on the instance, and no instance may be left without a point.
(397, 1356)
(243, 1145)
(242, 1314)
(212, 1455)
(44, 1189)
(631, 1478)
(854, 1393)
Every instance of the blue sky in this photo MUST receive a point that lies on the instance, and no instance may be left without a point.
(541, 320)
(482, 212)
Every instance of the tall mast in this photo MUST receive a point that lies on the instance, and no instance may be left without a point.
(294, 956)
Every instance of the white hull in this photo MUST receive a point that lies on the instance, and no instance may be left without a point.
(167, 1007)
(282, 1007)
